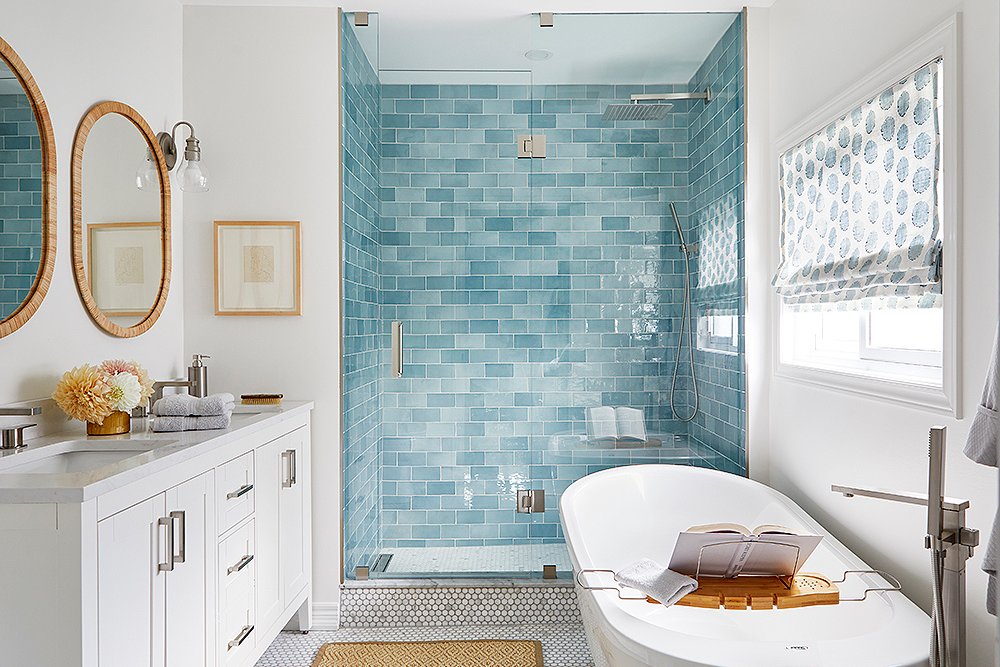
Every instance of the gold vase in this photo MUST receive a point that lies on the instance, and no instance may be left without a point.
(114, 424)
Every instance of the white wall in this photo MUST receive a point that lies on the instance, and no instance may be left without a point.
(82, 53)
(261, 87)
(818, 437)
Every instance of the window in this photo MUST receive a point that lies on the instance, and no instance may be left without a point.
(901, 345)
(718, 331)
(868, 273)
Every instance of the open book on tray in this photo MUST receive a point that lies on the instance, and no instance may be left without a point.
(729, 549)
(621, 427)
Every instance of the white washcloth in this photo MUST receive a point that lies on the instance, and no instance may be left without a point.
(181, 405)
(663, 585)
(981, 447)
(192, 423)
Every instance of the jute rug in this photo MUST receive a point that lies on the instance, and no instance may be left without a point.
(474, 653)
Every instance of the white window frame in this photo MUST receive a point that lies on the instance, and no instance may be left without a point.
(943, 42)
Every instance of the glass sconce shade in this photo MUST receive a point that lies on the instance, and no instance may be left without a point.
(193, 176)
(146, 176)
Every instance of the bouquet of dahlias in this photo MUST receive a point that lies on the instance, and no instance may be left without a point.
(91, 393)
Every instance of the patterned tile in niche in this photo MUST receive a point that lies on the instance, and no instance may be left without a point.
(563, 645)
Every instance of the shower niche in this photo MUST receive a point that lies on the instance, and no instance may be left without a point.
(513, 323)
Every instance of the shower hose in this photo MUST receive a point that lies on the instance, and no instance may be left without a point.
(685, 315)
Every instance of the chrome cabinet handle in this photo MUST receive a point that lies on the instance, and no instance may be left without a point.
(240, 491)
(169, 523)
(292, 466)
(240, 638)
(240, 565)
(179, 517)
(288, 480)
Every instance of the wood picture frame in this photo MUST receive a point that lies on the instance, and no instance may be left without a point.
(258, 268)
(123, 266)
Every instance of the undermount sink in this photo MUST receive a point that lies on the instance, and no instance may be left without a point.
(70, 462)
(73, 457)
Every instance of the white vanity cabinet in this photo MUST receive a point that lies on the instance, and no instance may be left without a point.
(197, 559)
(283, 523)
(154, 564)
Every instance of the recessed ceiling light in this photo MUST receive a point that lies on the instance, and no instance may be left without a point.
(538, 54)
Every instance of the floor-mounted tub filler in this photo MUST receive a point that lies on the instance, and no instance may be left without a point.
(615, 517)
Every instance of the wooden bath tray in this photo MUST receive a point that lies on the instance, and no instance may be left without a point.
(802, 590)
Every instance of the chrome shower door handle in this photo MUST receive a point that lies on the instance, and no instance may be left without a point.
(169, 523)
(178, 516)
(396, 354)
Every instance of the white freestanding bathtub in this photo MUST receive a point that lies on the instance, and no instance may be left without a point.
(615, 517)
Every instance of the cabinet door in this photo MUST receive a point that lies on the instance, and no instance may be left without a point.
(130, 547)
(293, 546)
(190, 599)
(267, 484)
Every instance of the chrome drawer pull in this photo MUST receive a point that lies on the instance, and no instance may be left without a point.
(180, 518)
(242, 564)
(239, 492)
(241, 637)
(169, 523)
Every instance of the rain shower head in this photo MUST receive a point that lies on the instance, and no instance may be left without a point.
(655, 109)
(636, 111)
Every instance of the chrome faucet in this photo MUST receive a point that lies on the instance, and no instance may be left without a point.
(19, 412)
(12, 437)
(951, 542)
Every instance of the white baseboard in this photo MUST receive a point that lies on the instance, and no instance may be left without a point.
(325, 616)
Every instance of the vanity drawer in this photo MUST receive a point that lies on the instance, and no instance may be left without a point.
(236, 565)
(234, 482)
(236, 631)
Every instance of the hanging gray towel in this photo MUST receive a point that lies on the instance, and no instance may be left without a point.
(981, 447)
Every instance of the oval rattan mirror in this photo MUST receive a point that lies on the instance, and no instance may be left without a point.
(121, 222)
(27, 195)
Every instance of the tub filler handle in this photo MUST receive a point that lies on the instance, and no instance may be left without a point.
(617, 589)
(894, 583)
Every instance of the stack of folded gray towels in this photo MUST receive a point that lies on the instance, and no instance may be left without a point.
(181, 412)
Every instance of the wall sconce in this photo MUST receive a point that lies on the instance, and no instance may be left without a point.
(192, 175)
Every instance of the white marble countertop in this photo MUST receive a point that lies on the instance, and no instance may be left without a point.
(154, 452)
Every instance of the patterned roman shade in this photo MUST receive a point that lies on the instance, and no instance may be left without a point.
(718, 250)
(859, 204)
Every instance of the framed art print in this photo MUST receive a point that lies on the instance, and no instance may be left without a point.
(124, 262)
(258, 268)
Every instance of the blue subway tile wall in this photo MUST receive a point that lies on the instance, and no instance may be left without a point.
(717, 165)
(20, 201)
(361, 302)
(530, 290)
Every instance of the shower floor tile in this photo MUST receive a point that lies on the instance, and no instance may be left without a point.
(518, 558)
(563, 645)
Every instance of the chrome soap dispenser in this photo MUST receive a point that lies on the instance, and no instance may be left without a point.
(198, 376)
